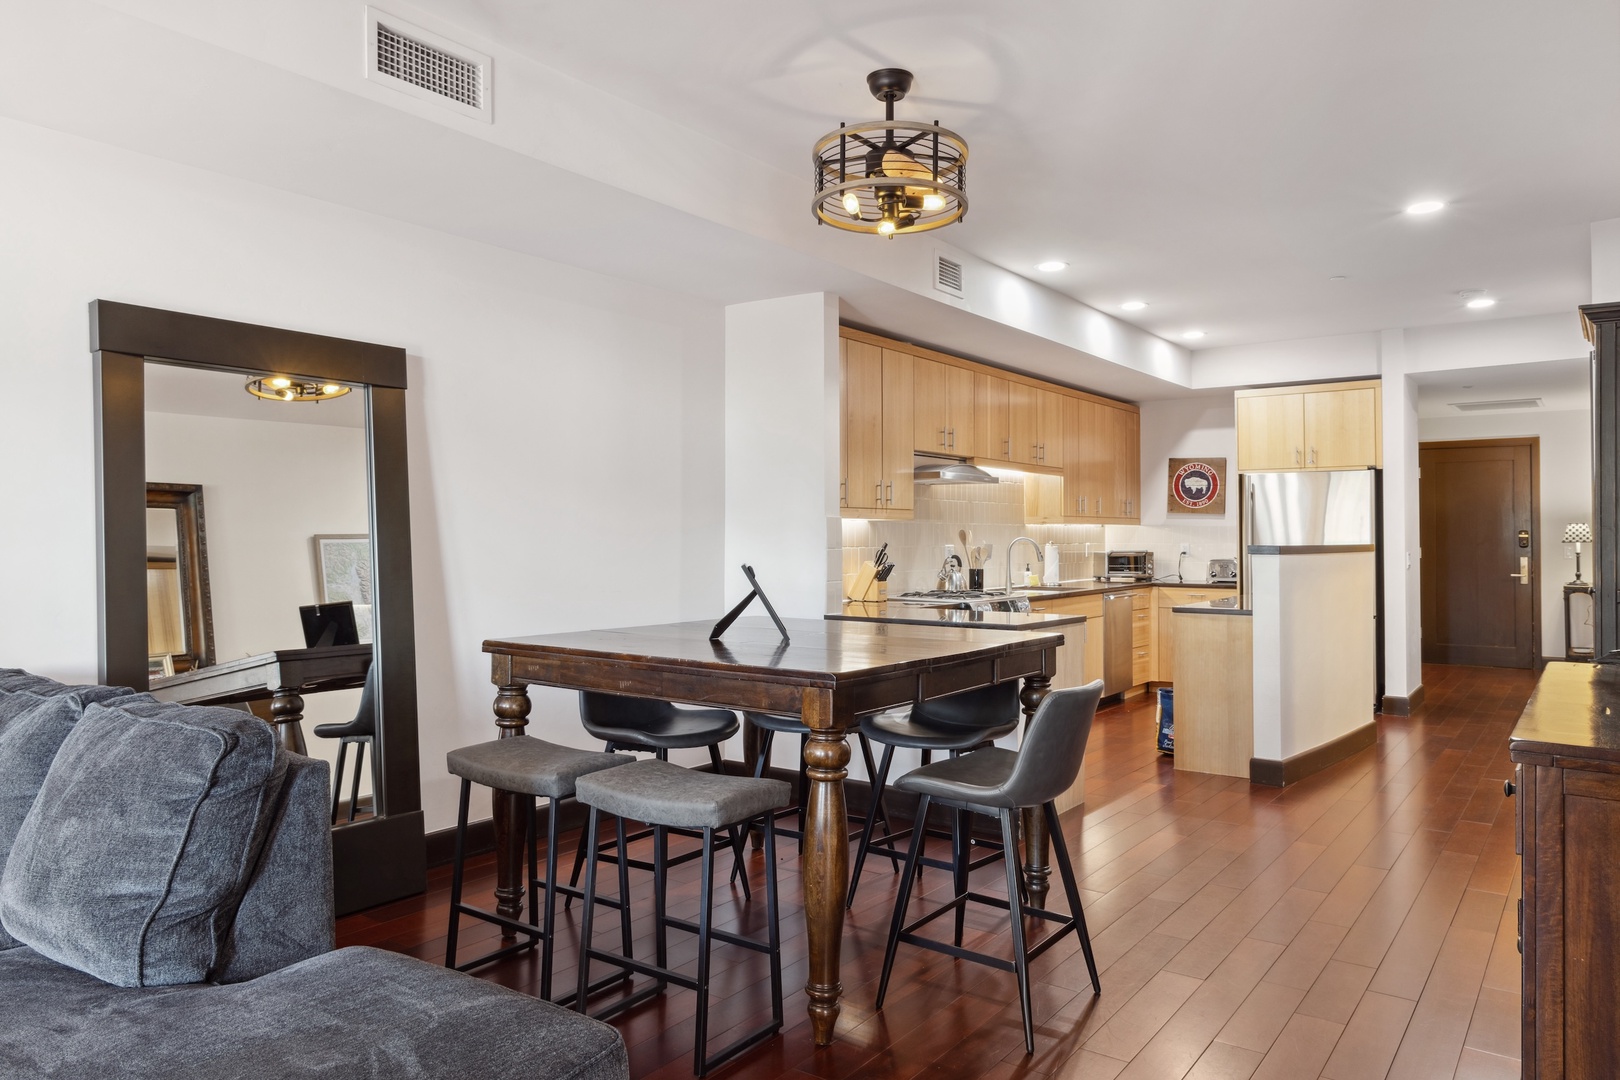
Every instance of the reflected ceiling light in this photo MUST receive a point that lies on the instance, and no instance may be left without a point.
(1426, 206)
(1133, 305)
(1051, 266)
(1479, 303)
(889, 177)
(1193, 335)
(282, 388)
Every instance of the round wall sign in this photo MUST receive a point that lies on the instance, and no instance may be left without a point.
(1195, 485)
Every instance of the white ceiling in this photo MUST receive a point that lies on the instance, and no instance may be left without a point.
(199, 392)
(1220, 161)
(1560, 385)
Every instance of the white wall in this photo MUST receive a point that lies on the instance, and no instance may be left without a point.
(1606, 261)
(1565, 477)
(267, 489)
(565, 428)
(781, 405)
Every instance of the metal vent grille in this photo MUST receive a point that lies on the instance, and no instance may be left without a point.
(434, 70)
(947, 275)
(1497, 406)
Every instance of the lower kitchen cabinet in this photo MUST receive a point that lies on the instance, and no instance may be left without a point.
(1566, 750)
(1164, 638)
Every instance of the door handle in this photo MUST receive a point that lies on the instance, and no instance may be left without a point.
(942, 443)
(1523, 576)
(890, 500)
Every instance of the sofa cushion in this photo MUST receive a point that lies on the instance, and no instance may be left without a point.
(351, 1014)
(135, 854)
(30, 733)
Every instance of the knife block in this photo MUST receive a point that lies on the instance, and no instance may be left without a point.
(866, 587)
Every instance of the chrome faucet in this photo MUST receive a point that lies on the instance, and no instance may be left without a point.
(1021, 540)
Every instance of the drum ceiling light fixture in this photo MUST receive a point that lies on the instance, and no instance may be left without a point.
(890, 176)
(282, 388)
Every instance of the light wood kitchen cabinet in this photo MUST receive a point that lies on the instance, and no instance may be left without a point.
(1092, 608)
(1333, 426)
(992, 438)
(1164, 638)
(1102, 462)
(1125, 452)
(943, 409)
(876, 393)
(1035, 425)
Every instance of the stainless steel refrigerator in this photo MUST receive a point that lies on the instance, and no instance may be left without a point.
(1314, 509)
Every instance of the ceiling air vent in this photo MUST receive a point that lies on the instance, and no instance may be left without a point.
(1497, 406)
(427, 66)
(948, 276)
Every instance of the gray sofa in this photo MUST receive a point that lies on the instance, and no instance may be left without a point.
(166, 911)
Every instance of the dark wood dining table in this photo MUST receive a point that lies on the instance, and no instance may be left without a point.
(829, 674)
(281, 677)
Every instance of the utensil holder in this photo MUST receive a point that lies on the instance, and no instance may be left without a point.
(976, 580)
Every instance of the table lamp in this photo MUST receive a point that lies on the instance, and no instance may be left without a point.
(1577, 533)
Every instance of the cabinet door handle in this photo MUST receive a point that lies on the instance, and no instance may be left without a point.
(1313, 455)
(1298, 458)
(953, 438)
(889, 499)
(1006, 448)
(942, 438)
(843, 491)
(880, 493)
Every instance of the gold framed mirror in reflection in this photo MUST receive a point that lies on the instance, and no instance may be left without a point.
(179, 611)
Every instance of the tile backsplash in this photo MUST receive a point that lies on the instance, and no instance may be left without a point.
(994, 513)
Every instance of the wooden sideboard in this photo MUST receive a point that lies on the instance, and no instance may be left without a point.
(1566, 754)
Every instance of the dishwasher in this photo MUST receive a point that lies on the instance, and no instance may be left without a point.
(1118, 631)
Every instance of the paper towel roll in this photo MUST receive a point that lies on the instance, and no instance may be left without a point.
(1049, 569)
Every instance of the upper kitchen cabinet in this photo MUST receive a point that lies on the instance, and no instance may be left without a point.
(1125, 451)
(875, 444)
(990, 397)
(1330, 426)
(1102, 466)
(1035, 425)
(943, 409)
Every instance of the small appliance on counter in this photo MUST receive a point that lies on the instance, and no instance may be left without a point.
(1129, 566)
(1223, 571)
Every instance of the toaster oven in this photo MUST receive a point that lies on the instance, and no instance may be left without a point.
(1129, 566)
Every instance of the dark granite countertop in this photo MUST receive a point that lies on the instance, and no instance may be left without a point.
(921, 615)
(1092, 588)
(1226, 605)
(1307, 549)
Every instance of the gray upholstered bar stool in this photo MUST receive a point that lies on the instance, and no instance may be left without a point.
(997, 783)
(669, 797)
(954, 724)
(650, 725)
(539, 770)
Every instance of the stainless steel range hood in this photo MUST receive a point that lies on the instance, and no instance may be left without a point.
(931, 470)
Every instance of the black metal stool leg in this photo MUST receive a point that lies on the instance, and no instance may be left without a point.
(739, 848)
(624, 886)
(907, 876)
(705, 923)
(455, 874)
(1071, 889)
(959, 869)
(548, 951)
(354, 790)
(1015, 908)
(871, 822)
(660, 899)
(337, 780)
(582, 984)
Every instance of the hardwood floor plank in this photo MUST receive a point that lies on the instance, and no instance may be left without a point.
(1301, 1050)
(1368, 1044)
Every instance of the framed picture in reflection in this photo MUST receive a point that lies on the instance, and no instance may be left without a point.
(160, 666)
(343, 572)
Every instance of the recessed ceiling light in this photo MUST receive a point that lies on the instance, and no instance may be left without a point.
(1426, 206)
(1337, 277)
(1133, 305)
(1193, 335)
(1051, 266)
(1479, 303)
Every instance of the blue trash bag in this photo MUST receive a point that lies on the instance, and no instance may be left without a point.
(1167, 720)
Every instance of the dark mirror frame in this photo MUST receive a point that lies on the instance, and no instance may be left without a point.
(380, 858)
(191, 566)
(1601, 324)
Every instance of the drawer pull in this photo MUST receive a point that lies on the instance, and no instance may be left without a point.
(1508, 789)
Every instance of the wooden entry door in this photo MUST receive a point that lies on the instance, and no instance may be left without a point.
(1477, 531)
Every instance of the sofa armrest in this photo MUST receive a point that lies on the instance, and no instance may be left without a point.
(286, 913)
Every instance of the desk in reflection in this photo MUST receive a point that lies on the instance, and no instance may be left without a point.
(281, 677)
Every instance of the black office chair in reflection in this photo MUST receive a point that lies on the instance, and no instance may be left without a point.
(361, 732)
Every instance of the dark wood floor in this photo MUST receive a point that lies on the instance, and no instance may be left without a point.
(1359, 924)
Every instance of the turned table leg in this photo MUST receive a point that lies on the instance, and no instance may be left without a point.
(826, 859)
(1037, 870)
(287, 714)
(508, 809)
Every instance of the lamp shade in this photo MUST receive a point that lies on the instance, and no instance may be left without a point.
(1577, 532)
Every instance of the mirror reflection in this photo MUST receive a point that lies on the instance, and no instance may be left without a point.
(266, 603)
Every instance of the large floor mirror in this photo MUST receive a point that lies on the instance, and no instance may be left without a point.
(291, 595)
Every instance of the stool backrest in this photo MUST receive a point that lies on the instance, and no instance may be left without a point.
(987, 707)
(1054, 746)
(365, 717)
(600, 712)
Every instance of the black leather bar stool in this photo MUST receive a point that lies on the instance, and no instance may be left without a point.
(954, 724)
(669, 797)
(360, 733)
(649, 725)
(998, 783)
(540, 770)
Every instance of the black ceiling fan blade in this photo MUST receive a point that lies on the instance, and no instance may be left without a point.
(864, 141)
(914, 138)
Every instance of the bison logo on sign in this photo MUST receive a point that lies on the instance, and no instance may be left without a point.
(1196, 486)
